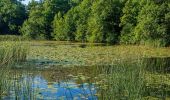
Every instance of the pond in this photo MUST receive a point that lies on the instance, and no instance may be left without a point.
(146, 78)
(48, 83)
(33, 86)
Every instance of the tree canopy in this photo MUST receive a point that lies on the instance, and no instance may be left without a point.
(106, 21)
(146, 21)
(12, 15)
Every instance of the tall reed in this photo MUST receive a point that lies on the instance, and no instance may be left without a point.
(10, 53)
(122, 81)
(12, 38)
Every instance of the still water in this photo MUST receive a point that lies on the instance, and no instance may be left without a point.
(42, 89)
(148, 80)
(38, 85)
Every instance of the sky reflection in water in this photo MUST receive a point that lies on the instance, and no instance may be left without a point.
(42, 89)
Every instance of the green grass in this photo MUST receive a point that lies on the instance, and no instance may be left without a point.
(73, 54)
(10, 53)
(119, 71)
(126, 77)
(12, 38)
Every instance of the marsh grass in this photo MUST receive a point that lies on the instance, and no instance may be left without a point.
(73, 54)
(10, 53)
(134, 80)
(124, 81)
(121, 81)
(138, 79)
(4, 82)
(117, 72)
(22, 87)
(129, 80)
(12, 38)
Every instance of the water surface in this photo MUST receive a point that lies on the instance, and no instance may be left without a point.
(144, 79)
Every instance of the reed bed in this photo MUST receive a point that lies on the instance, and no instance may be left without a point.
(132, 80)
(10, 53)
(123, 81)
(12, 38)
(113, 72)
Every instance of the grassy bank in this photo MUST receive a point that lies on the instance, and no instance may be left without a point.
(12, 38)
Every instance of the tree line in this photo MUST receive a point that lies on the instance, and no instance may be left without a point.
(106, 21)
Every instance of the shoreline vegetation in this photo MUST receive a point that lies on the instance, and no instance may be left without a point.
(117, 72)
(12, 52)
(95, 21)
(85, 49)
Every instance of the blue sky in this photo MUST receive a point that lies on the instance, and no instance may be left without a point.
(26, 1)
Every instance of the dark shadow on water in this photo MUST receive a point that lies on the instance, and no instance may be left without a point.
(157, 64)
(45, 64)
(80, 45)
(161, 91)
(160, 67)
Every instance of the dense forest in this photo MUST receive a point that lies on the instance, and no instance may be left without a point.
(106, 21)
